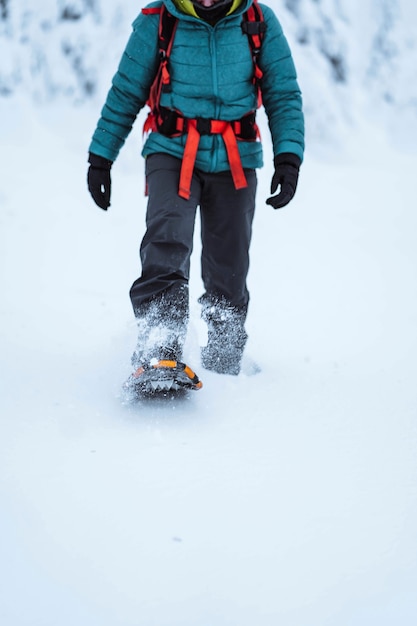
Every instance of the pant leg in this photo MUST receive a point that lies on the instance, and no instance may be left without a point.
(160, 295)
(226, 217)
(226, 231)
(166, 248)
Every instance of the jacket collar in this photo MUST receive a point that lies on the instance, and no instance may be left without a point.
(185, 8)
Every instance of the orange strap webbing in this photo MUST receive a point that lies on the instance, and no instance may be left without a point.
(226, 130)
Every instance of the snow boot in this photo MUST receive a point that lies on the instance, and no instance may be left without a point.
(157, 343)
(158, 368)
(222, 355)
(226, 339)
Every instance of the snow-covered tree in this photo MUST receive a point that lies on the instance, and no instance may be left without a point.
(350, 54)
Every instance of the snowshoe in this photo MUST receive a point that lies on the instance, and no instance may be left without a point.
(161, 378)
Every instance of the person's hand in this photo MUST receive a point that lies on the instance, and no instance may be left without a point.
(99, 180)
(287, 166)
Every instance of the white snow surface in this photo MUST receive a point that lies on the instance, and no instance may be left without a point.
(365, 50)
(288, 497)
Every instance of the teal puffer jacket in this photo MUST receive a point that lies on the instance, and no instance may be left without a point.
(211, 72)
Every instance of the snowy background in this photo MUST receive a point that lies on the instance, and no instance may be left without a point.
(289, 497)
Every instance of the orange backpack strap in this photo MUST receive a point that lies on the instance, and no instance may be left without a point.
(197, 127)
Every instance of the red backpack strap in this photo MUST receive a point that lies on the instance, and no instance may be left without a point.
(254, 26)
(167, 27)
(151, 10)
(162, 82)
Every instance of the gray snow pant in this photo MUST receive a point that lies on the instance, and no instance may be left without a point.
(226, 228)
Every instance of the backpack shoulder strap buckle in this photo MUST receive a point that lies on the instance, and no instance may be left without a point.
(253, 28)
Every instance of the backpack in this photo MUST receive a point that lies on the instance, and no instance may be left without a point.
(172, 124)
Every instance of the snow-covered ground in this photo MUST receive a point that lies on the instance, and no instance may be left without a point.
(289, 497)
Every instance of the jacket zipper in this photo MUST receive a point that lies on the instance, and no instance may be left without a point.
(215, 138)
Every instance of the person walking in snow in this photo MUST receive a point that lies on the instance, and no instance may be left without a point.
(201, 65)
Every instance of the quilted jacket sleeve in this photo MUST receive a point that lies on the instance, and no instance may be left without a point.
(280, 91)
(130, 88)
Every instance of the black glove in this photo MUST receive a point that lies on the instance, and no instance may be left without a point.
(287, 166)
(99, 181)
